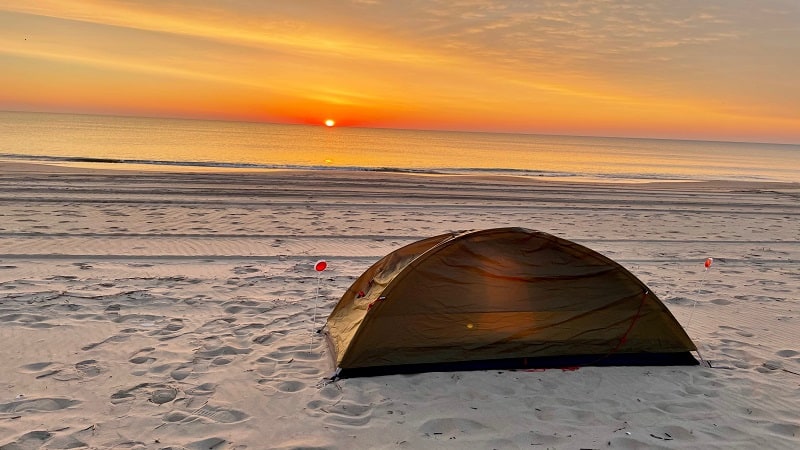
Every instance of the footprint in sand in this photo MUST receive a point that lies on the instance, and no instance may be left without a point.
(143, 320)
(164, 395)
(169, 330)
(212, 442)
(290, 386)
(113, 339)
(155, 393)
(349, 414)
(215, 352)
(35, 367)
(205, 389)
(451, 427)
(139, 358)
(213, 413)
(247, 307)
(264, 339)
(289, 369)
(248, 329)
(89, 368)
(37, 405)
(241, 270)
(30, 440)
(181, 372)
(221, 415)
(27, 320)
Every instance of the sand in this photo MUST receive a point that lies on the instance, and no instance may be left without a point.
(174, 310)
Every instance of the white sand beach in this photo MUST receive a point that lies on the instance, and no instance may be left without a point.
(147, 310)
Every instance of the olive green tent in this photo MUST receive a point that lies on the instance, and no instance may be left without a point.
(500, 298)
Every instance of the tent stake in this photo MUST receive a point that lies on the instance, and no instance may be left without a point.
(319, 266)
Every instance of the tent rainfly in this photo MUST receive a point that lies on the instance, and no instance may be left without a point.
(499, 298)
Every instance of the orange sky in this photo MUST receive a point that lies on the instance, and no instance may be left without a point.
(723, 70)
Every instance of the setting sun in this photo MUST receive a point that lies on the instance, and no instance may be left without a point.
(330, 123)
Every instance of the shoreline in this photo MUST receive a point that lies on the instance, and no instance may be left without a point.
(488, 174)
(158, 309)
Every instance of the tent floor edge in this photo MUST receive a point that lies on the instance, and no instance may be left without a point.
(556, 362)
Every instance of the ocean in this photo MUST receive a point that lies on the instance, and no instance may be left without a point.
(88, 140)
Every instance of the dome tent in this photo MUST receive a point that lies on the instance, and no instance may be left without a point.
(499, 298)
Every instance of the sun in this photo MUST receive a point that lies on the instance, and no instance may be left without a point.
(330, 122)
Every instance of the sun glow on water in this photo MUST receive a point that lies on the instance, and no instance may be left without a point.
(172, 142)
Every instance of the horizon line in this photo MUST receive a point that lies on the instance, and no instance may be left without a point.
(432, 130)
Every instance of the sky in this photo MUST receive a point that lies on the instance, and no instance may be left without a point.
(718, 70)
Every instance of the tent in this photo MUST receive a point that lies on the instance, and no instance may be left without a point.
(499, 298)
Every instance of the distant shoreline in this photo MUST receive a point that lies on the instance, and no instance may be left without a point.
(225, 172)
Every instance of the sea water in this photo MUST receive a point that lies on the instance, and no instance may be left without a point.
(157, 142)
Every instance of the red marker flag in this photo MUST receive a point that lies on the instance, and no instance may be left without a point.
(320, 265)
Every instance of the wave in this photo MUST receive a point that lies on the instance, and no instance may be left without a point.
(509, 172)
